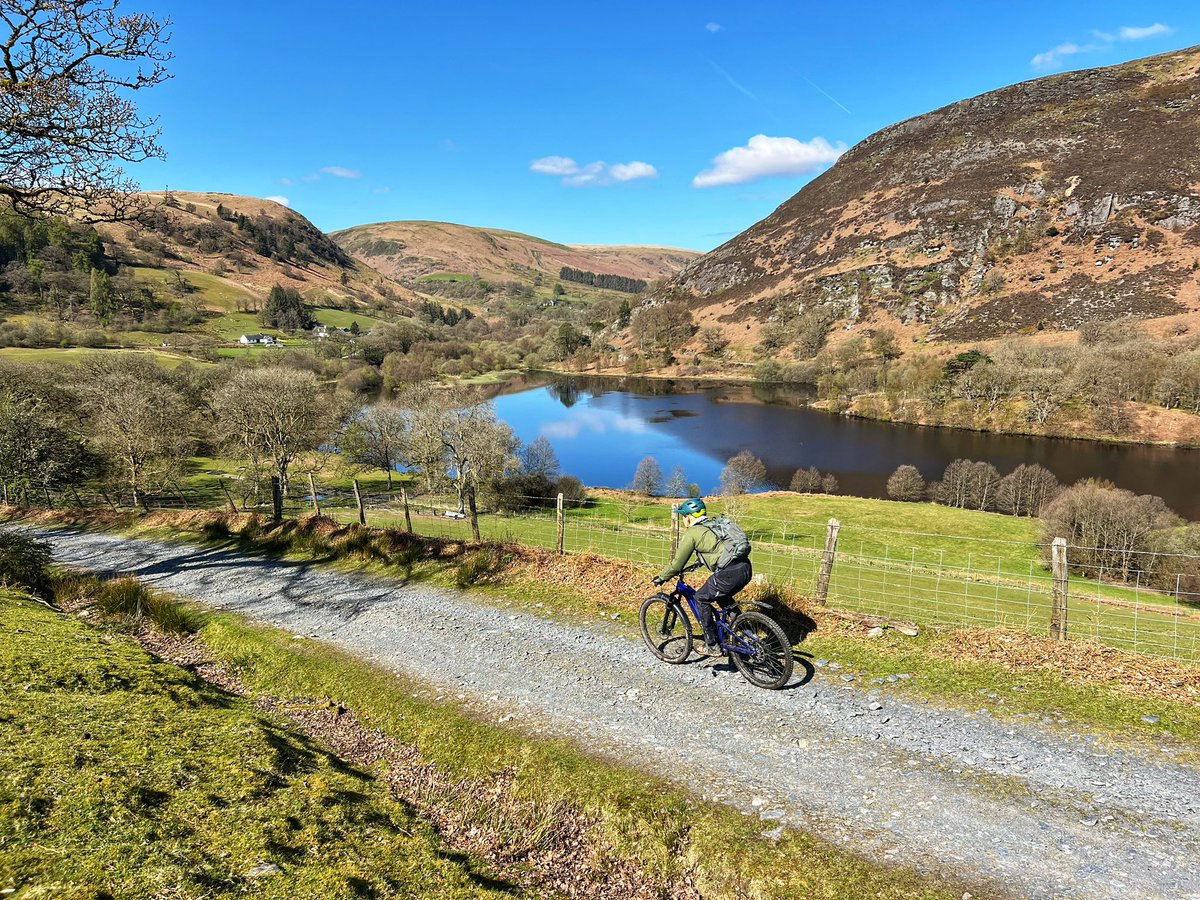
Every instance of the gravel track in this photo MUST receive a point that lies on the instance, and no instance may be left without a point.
(1035, 810)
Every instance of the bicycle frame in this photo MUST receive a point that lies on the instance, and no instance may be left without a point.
(684, 591)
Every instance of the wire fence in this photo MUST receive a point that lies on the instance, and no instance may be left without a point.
(1144, 602)
(913, 576)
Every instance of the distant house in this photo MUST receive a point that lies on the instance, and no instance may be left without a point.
(256, 339)
(320, 331)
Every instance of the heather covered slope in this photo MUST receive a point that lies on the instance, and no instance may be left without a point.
(409, 251)
(1034, 207)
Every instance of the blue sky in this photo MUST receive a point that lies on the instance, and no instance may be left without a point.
(677, 124)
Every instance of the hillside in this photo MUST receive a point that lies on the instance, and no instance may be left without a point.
(249, 243)
(411, 251)
(1036, 207)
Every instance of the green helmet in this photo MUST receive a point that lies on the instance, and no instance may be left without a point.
(692, 507)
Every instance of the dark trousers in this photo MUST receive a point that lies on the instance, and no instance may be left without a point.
(720, 589)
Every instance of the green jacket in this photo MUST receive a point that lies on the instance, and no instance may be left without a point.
(699, 540)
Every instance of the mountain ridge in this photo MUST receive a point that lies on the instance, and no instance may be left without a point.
(1037, 206)
(409, 250)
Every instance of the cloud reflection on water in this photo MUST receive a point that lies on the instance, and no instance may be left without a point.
(597, 421)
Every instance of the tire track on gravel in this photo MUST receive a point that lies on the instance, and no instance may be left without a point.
(1037, 813)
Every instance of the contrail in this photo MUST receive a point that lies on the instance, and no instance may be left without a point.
(824, 94)
(737, 85)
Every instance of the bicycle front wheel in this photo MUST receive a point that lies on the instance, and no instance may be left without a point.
(666, 629)
(764, 656)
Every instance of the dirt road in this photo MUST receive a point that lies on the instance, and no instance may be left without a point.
(1034, 808)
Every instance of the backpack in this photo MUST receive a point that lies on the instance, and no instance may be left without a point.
(735, 545)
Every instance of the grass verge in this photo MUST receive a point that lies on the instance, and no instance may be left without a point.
(125, 777)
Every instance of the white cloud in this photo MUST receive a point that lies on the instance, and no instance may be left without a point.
(341, 172)
(286, 182)
(1055, 57)
(381, 190)
(282, 201)
(712, 27)
(631, 171)
(1134, 33)
(309, 179)
(554, 165)
(768, 157)
(594, 173)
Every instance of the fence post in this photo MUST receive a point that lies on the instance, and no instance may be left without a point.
(362, 513)
(276, 499)
(1058, 593)
(562, 526)
(228, 496)
(827, 557)
(407, 517)
(674, 532)
(312, 487)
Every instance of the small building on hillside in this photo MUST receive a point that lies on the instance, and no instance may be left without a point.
(256, 339)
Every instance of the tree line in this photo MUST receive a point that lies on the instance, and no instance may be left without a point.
(1014, 384)
(122, 428)
(608, 282)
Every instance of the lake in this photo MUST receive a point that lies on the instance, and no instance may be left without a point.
(601, 427)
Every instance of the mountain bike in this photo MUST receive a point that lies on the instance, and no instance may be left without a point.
(753, 641)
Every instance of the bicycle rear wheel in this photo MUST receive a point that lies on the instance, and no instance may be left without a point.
(769, 662)
(666, 629)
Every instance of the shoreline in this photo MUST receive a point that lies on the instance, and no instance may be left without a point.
(822, 405)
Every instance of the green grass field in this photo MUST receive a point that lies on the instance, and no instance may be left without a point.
(920, 562)
(74, 354)
(127, 777)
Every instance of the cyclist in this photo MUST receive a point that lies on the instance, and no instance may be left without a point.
(708, 538)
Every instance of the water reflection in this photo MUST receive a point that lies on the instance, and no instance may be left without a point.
(602, 427)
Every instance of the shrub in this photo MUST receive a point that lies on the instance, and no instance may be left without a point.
(132, 601)
(906, 484)
(572, 489)
(479, 566)
(24, 563)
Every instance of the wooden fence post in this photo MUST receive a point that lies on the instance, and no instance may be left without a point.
(562, 526)
(312, 487)
(276, 499)
(362, 513)
(674, 532)
(1059, 591)
(228, 496)
(407, 517)
(827, 557)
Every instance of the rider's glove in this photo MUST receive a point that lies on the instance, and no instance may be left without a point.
(657, 581)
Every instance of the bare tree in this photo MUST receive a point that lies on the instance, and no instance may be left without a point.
(967, 485)
(477, 446)
(377, 437)
(677, 483)
(806, 481)
(539, 458)
(66, 68)
(647, 478)
(742, 474)
(460, 441)
(1026, 489)
(906, 484)
(139, 421)
(275, 415)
